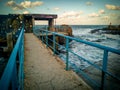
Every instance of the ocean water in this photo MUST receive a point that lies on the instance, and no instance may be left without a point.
(88, 52)
(83, 32)
(94, 55)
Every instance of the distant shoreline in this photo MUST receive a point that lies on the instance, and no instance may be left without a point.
(102, 31)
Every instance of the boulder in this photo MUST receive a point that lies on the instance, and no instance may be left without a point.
(66, 30)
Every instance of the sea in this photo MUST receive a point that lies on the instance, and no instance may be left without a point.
(90, 53)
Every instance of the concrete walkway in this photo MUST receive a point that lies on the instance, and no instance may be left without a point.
(44, 72)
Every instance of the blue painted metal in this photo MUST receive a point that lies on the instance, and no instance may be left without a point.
(46, 39)
(54, 42)
(67, 53)
(104, 69)
(87, 77)
(105, 57)
(11, 75)
(42, 36)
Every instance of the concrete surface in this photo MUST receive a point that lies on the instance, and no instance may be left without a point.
(43, 72)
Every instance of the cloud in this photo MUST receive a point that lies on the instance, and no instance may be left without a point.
(26, 12)
(14, 5)
(98, 14)
(37, 3)
(82, 20)
(112, 7)
(89, 3)
(23, 5)
(106, 18)
(71, 17)
(71, 14)
(56, 9)
(93, 15)
(118, 18)
(101, 11)
(28, 4)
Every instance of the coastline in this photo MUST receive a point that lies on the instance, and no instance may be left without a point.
(103, 31)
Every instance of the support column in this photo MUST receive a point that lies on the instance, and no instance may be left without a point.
(33, 21)
(51, 25)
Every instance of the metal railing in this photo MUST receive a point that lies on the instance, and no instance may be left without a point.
(47, 36)
(12, 78)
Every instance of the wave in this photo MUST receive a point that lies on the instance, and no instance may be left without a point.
(90, 53)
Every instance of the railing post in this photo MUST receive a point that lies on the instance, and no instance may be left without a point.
(67, 53)
(54, 42)
(42, 36)
(46, 39)
(19, 70)
(14, 78)
(22, 63)
(104, 69)
(10, 74)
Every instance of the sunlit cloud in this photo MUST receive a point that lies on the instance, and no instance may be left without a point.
(56, 9)
(84, 19)
(101, 11)
(26, 12)
(113, 14)
(89, 3)
(97, 14)
(79, 18)
(112, 7)
(118, 18)
(70, 17)
(23, 5)
(93, 15)
(14, 5)
(103, 15)
(106, 18)
(71, 14)
(28, 4)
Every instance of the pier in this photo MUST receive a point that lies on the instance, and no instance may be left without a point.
(34, 63)
(44, 72)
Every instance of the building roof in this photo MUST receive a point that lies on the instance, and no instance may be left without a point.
(38, 16)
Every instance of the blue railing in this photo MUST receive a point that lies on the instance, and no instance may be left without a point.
(47, 36)
(12, 78)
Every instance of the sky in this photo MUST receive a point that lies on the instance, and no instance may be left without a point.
(71, 12)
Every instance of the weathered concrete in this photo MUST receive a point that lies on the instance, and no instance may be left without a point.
(44, 72)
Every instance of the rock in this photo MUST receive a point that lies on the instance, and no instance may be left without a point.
(111, 29)
(67, 30)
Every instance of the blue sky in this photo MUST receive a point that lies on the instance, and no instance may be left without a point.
(81, 12)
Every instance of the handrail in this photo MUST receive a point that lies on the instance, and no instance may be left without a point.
(12, 77)
(106, 49)
(85, 42)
